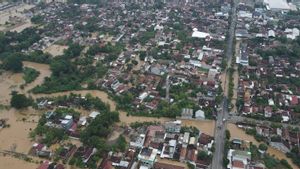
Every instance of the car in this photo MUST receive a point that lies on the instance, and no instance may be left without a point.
(224, 119)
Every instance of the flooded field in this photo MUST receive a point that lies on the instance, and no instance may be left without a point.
(12, 81)
(13, 163)
(240, 134)
(15, 12)
(16, 137)
(56, 50)
(9, 82)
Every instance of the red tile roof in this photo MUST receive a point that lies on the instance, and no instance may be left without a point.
(238, 164)
(44, 165)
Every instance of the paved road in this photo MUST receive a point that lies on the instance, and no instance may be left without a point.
(220, 128)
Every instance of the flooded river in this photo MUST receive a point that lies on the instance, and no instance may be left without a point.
(44, 70)
(241, 134)
(21, 122)
(204, 126)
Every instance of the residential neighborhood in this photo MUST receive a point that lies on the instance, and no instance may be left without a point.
(150, 84)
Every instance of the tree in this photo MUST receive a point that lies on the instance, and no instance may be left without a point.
(227, 134)
(263, 147)
(13, 63)
(202, 155)
(121, 144)
(19, 101)
(37, 19)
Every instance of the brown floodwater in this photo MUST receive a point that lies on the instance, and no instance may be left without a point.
(14, 163)
(16, 137)
(9, 82)
(44, 70)
(12, 81)
(241, 134)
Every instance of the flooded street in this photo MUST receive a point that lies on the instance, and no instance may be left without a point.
(241, 134)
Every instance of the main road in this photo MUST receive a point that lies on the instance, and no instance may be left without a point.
(217, 162)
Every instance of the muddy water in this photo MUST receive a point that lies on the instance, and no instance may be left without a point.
(12, 81)
(176, 163)
(16, 137)
(44, 70)
(205, 126)
(13, 163)
(9, 82)
(240, 134)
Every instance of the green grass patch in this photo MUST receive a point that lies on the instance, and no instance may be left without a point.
(30, 75)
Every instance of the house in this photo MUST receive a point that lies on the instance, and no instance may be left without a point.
(173, 126)
(94, 114)
(238, 159)
(50, 165)
(271, 34)
(285, 116)
(67, 122)
(187, 113)
(139, 141)
(243, 58)
(147, 156)
(200, 35)
(85, 153)
(106, 164)
(40, 150)
(268, 111)
(44, 165)
(200, 115)
(169, 149)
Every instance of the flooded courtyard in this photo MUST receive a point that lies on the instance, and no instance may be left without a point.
(56, 50)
